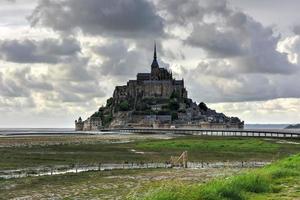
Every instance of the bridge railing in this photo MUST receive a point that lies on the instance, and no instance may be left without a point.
(271, 133)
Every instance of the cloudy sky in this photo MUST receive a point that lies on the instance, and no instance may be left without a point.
(62, 58)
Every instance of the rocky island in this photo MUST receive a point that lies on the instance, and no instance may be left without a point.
(155, 100)
(293, 126)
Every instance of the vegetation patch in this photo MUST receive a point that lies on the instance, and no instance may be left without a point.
(215, 144)
(265, 183)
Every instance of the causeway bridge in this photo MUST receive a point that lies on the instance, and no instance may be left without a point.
(267, 133)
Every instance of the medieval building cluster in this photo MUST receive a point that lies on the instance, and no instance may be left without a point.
(159, 83)
(155, 99)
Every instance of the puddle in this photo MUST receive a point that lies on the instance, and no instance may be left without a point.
(286, 142)
(282, 141)
(137, 152)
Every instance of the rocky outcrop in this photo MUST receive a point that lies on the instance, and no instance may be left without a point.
(155, 99)
(293, 126)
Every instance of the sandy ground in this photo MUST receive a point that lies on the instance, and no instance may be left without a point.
(13, 141)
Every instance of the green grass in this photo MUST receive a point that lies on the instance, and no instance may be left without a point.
(14, 157)
(267, 183)
(222, 149)
(216, 144)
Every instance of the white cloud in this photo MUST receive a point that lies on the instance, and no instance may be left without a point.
(275, 111)
(291, 46)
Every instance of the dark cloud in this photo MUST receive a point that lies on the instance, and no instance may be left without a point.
(21, 82)
(211, 85)
(226, 33)
(180, 11)
(75, 81)
(217, 43)
(187, 12)
(296, 29)
(130, 18)
(71, 81)
(120, 61)
(123, 62)
(78, 92)
(73, 69)
(44, 51)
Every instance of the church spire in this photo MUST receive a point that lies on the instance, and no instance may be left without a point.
(154, 63)
(154, 51)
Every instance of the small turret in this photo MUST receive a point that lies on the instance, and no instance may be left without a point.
(79, 124)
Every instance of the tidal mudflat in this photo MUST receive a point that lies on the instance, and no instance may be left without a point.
(27, 152)
(36, 151)
(116, 184)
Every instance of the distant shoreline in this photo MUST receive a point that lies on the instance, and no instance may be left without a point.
(40, 134)
(36, 131)
(70, 131)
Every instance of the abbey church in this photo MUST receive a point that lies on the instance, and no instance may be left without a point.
(159, 83)
(155, 99)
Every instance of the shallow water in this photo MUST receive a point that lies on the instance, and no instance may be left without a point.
(47, 171)
(35, 131)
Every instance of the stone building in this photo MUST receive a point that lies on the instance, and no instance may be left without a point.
(90, 124)
(155, 99)
(79, 124)
(159, 83)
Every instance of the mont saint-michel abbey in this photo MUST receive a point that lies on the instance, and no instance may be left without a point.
(155, 100)
(159, 83)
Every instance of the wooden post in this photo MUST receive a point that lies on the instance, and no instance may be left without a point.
(185, 159)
